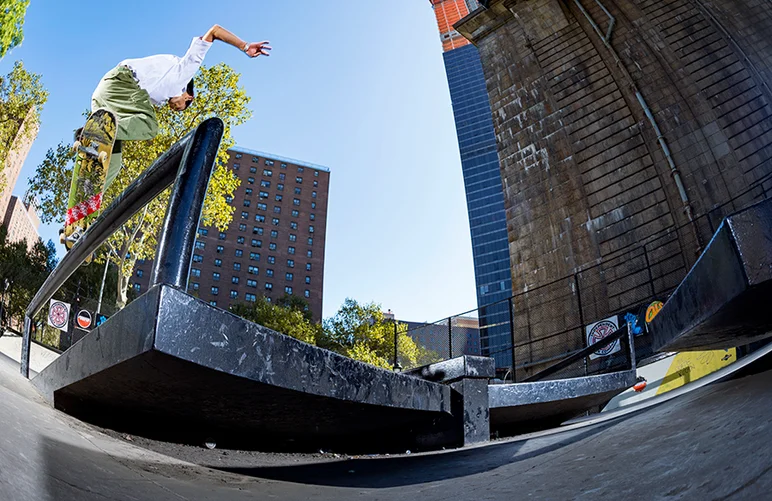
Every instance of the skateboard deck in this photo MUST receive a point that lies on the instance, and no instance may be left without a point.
(93, 146)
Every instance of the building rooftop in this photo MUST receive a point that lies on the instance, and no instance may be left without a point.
(271, 156)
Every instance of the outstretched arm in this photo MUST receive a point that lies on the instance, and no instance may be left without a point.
(253, 49)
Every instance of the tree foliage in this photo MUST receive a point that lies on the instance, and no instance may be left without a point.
(12, 14)
(20, 92)
(218, 94)
(284, 318)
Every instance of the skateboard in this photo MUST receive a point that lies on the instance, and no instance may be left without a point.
(93, 146)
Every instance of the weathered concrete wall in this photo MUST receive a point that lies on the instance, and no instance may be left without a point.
(585, 179)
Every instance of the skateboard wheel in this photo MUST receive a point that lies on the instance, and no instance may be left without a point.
(102, 157)
(76, 145)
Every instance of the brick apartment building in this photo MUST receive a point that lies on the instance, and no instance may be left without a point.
(275, 243)
(22, 222)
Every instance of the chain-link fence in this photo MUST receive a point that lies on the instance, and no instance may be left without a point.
(551, 322)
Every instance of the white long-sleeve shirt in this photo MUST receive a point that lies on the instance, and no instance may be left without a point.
(165, 76)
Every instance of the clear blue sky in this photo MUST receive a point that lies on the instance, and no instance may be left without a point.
(358, 86)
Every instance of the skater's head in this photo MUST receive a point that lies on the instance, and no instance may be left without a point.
(180, 103)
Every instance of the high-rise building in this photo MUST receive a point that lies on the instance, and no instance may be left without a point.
(482, 179)
(275, 243)
(22, 222)
(20, 147)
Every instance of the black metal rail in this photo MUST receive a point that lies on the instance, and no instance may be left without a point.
(188, 164)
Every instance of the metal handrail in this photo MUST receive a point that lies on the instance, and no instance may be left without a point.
(188, 164)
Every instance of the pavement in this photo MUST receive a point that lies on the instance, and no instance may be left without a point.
(711, 443)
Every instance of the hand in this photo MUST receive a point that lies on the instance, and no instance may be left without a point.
(256, 49)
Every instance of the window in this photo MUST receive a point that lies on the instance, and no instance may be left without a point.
(274, 234)
(280, 187)
(308, 280)
(267, 172)
(238, 155)
(254, 270)
(215, 290)
(291, 250)
(220, 249)
(265, 184)
(259, 218)
(307, 293)
(272, 259)
(293, 237)
(257, 230)
(229, 198)
(309, 253)
(295, 201)
(239, 252)
(203, 232)
(256, 160)
(195, 286)
(257, 243)
(295, 213)
(248, 191)
(299, 180)
(234, 279)
(252, 283)
(197, 258)
(312, 217)
(288, 289)
(316, 173)
(268, 286)
(250, 297)
(293, 225)
(254, 256)
(308, 266)
(289, 277)
(262, 206)
(276, 209)
(242, 227)
(137, 287)
(263, 194)
(216, 277)
(253, 169)
(140, 273)
(237, 266)
(311, 229)
(283, 165)
(247, 202)
(251, 180)
(316, 183)
(313, 194)
(272, 246)
(278, 198)
(213, 303)
(240, 240)
(310, 241)
(297, 191)
(236, 166)
(269, 162)
(313, 205)
(244, 215)
(300, 169)
(234, 294)
(218, 262)
(290, 263)
(268, 272)
(281, 176)
(275, 221)
(221, 236)
(200, 244)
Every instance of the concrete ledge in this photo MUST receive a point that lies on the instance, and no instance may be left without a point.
(171, 364)
(454, 369)
(542, 404)
(724, 300)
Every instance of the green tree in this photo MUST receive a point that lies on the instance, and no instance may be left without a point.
(218, 94)
(22, 97)
(283, 319)
(11, 23)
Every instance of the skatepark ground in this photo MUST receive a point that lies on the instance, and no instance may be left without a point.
(710, 443)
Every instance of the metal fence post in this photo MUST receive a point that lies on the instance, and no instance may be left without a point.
(450, 337)
(512, 335)
(648, 268)
(581, 314)
(396, 360)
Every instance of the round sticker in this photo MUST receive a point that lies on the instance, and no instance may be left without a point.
(84, 319)
(652, 310)
(58, 315)
(601, 330)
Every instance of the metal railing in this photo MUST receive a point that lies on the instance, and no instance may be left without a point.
(188, 164)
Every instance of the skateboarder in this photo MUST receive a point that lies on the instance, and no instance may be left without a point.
(131, 89)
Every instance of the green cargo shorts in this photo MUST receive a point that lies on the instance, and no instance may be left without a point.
(119, 92)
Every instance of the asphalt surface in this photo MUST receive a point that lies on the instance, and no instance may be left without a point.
(712, 443)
